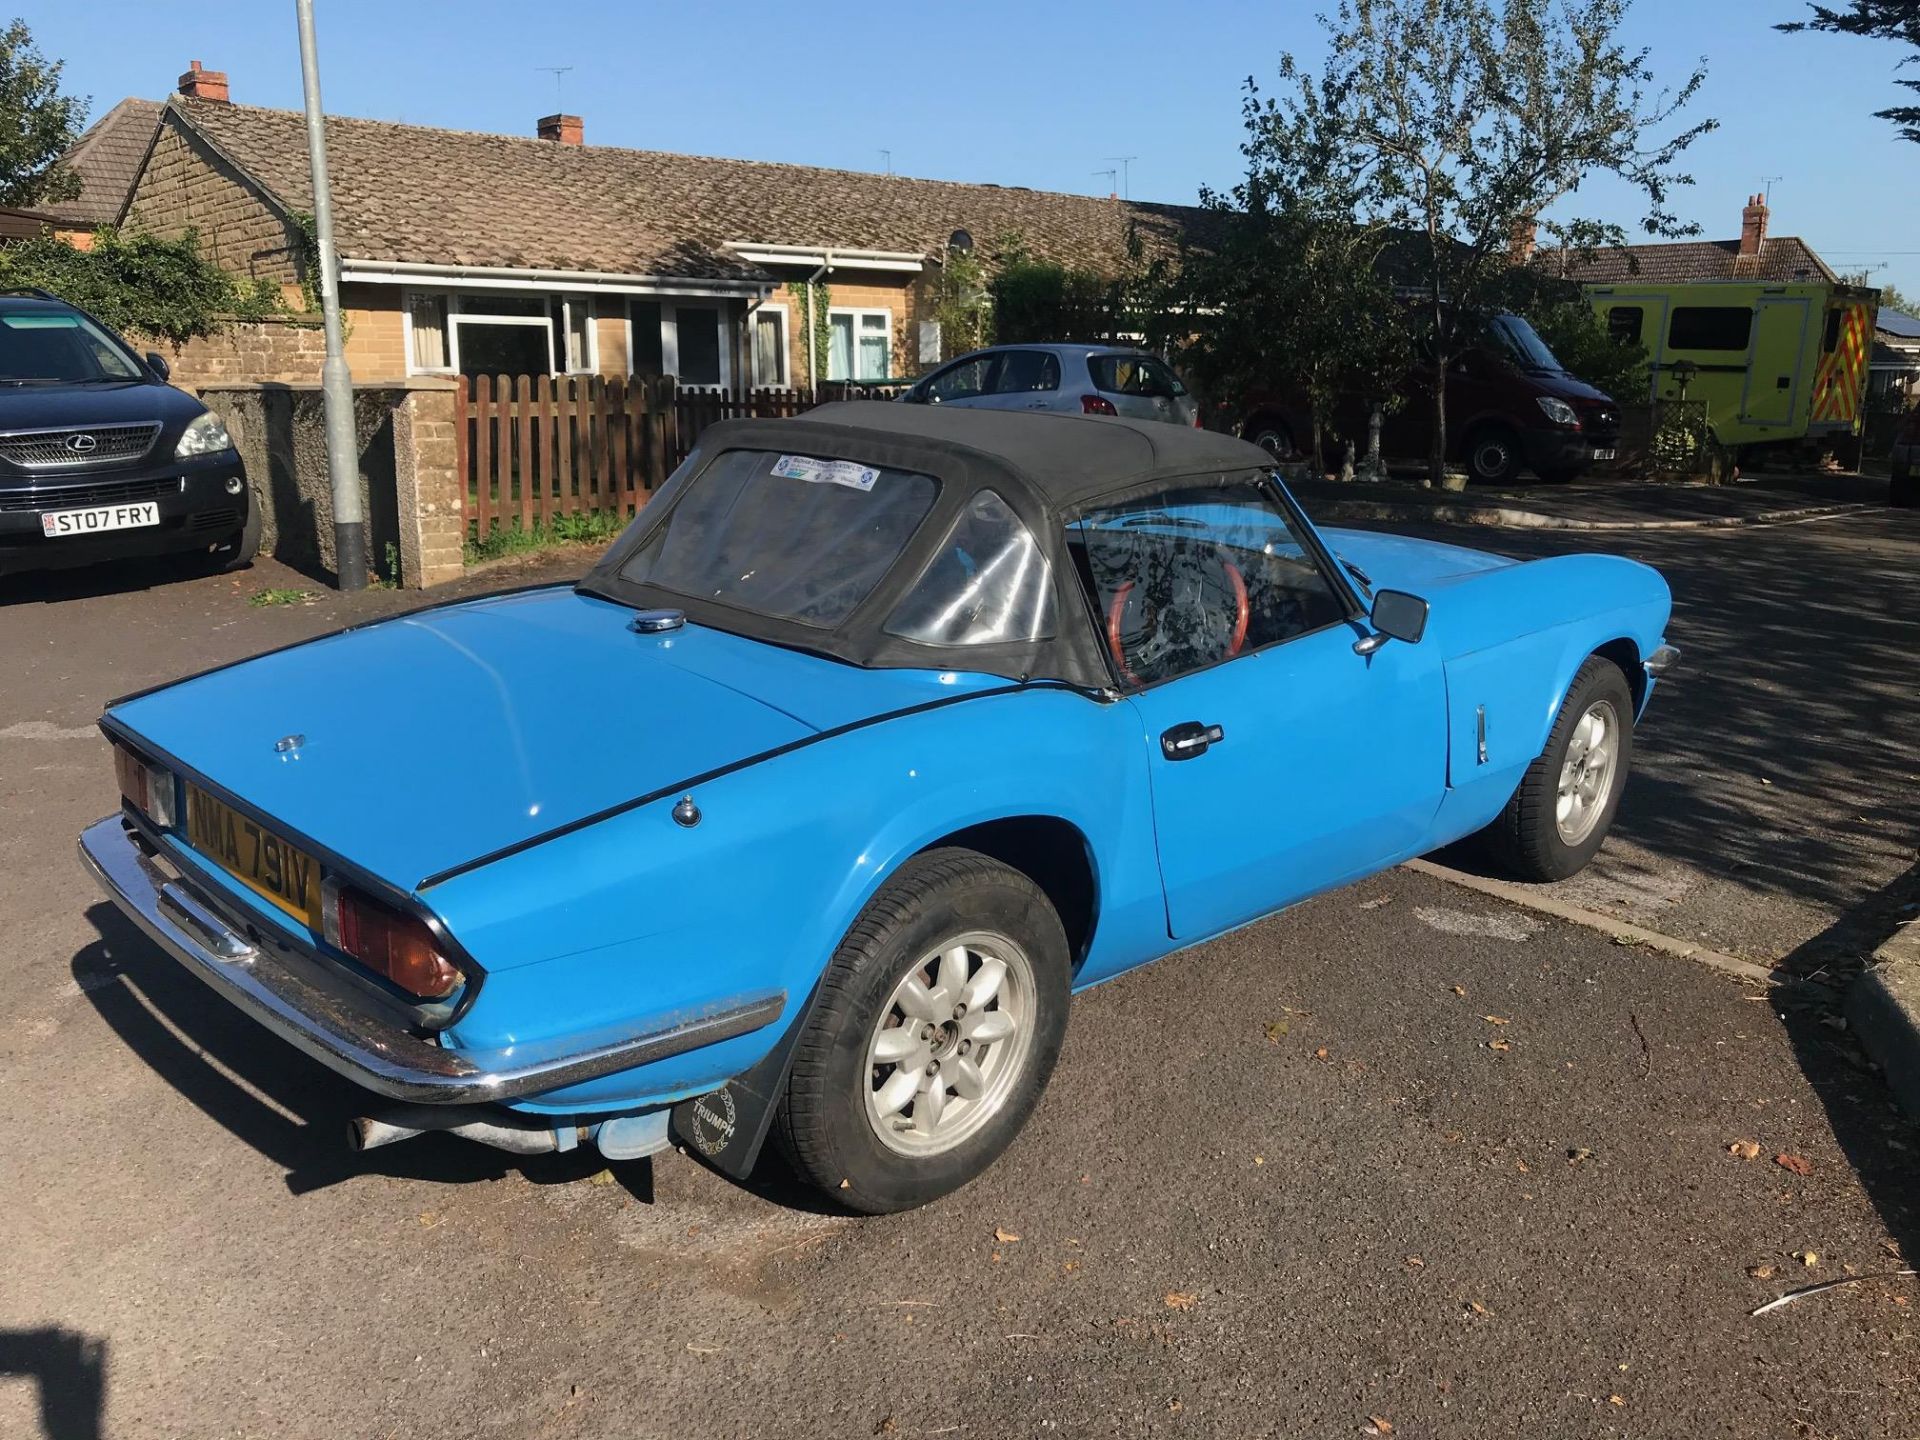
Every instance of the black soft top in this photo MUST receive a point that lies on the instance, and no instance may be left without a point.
(1046, 467)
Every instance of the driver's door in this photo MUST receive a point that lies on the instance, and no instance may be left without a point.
(1282, 762)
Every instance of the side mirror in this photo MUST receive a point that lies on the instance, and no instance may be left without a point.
(157, 363)
(1396, 616)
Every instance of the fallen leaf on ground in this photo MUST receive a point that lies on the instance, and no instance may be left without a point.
(1379, 1425)
(1794, 1163)
(1459, 989)
(1259, 1159)
(1745, 1149)
(1763, 1272)
(1414, 1262)
(1496, 1019)
(1498, 1045)
(1174, 1407)
(1615, 1400)
(600, 1177)
(1523, 1167)
(1181, 1299)
(995, 1257)
(1477, 1308)
(1808, 1258)
(1004, 1236)
(1275, 1029)
(1068, 1267)
(1321, 1053)
(1578, 1154)
(1376, 902)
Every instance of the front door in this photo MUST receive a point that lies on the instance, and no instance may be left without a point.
(1282, 762)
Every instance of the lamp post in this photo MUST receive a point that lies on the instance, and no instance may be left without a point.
(336, 381)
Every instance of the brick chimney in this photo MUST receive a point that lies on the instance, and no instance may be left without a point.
(562, 129)
(1522, 239)
(198, 84)
(1753, 225)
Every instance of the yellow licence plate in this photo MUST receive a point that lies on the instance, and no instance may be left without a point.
(254, 855)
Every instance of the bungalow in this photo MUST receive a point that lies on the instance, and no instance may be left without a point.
(468, 253)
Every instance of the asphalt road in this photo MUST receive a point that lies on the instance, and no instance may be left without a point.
(1280, 1185)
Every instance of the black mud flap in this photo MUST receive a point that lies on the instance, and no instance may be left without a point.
(725, 1128)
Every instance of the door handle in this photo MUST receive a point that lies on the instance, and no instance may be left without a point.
(1188, 739)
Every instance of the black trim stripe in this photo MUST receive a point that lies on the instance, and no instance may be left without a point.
(706, 777)
(133, 695)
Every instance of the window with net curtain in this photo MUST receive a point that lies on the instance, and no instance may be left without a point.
(859, 344)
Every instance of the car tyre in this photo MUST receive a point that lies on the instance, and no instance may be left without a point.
(871, 1035)
(1493, 455)
(1271, 436)
(1560, 815)
(238, 552)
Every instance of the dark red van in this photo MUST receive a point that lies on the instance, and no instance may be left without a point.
(1511, 407)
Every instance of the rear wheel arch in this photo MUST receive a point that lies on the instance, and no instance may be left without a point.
(1053, 853)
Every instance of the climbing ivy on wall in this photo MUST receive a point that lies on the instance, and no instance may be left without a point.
(822, 330)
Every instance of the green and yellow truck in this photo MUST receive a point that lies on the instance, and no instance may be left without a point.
(1772, 361)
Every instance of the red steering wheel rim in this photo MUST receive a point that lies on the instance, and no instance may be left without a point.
(1243, 616)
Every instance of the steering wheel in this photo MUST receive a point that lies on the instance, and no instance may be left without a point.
(1189, 619)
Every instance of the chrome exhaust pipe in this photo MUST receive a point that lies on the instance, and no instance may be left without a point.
(369, 1132)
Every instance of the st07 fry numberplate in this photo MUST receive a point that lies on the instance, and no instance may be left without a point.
(254, 855)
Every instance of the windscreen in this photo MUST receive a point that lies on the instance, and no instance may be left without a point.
(58, 347)
(1523, 343)
(797, 537)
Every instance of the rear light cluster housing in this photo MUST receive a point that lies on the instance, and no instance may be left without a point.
(1096, 405)
(147, 787)
(389, 942)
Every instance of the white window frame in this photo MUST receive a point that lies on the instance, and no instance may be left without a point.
(858, 313)
(407, 299)
(564, 303)
(785, 380)
(670, 334)
(462, 307)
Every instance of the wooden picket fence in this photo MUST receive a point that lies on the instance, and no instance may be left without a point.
(536, 447)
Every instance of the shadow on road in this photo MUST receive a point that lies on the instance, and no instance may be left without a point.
(1882, 1144)
(70, 1370)
(291, 1109)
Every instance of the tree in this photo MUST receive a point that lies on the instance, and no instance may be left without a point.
(37, 124)
(1285, 290)
(1472, 120)
(139, 282)
(1897, 20)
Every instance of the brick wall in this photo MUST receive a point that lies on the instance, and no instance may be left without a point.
(186, 186)
(405, 456)
(376, 332)
(290, 350)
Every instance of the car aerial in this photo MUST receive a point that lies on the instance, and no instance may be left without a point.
(1067, 379)
(877, 733)
(102, 459)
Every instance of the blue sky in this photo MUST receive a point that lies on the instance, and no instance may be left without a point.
(1020, 94)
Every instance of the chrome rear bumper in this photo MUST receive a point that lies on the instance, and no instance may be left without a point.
(382, 1057)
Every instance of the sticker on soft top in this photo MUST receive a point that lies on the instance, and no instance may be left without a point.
(826, 472)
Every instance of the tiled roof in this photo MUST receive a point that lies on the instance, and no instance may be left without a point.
(414, 193)
(108, 159)
(1785, 257)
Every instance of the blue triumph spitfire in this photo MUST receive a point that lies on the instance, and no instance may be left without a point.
(877, 733)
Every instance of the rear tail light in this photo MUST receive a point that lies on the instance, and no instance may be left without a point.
(386, 941)
(1096, 405)
(148, 788)
(1198, 423)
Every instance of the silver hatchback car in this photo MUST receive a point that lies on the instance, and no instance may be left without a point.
(1071, 379)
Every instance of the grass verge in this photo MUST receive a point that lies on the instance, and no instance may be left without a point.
(559, 530)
